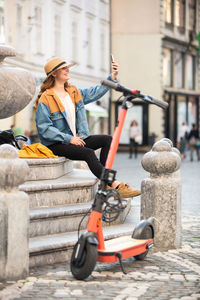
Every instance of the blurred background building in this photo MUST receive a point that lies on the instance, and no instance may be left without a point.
(77, 30)
(154, 41)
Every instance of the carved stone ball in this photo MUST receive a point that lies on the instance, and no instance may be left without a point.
(13, 170)
(17, 86)
(168, 141)
(176, 151)
(17, 89)
(161, 146)
(5, 51)
(162, 159)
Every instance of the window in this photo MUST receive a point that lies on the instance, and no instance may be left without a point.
(181, 112)
(2, 26)
(19, 38)
(75, 41)
(167, 67)
(192, 111)
(57, 35)
(190, 71)
(103, 55)
(178, 70)
(168, 10)
(89, 47)
(38, 29)
(132, 114)
(180, 13)
(192, 15)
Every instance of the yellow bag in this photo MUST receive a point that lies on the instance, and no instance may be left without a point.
(35, 151)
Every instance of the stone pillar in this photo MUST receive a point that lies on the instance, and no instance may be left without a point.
(14, 216)
(161, 194)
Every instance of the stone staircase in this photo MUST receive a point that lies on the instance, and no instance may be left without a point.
(59, 197)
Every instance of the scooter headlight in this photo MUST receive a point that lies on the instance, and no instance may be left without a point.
(129, 104)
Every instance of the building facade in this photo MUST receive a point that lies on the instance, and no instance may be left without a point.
(156, 45)
(181, 72)
(76, 30)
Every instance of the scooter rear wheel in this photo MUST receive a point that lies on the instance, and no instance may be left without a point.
(146, 234)
(85, 266)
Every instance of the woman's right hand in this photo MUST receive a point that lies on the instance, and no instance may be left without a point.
(77, 140)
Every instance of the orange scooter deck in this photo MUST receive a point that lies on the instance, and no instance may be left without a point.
(125, 245)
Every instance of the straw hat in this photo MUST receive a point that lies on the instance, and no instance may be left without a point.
(56, 63)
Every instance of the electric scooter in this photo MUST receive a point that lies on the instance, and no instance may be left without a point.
(107, 206)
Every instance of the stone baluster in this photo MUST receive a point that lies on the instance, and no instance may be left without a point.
(161, 193)
(14, 216)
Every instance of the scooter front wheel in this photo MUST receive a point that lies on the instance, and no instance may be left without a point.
(86, 265)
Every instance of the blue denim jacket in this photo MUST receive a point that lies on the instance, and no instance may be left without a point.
(51, 118)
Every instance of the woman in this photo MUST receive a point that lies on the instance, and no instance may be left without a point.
(62, 123)
(193, 138)
(135, 136)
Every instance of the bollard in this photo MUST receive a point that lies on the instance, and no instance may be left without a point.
(14, 216)
(161, 194)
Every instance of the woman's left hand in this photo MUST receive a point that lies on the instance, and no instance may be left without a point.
(115, 70)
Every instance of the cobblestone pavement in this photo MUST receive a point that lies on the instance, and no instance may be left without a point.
(173, 275)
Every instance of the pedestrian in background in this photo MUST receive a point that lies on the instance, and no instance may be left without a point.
(27, 134)
(182, 145)
(183, 138)
(135, 138)
(183, 131)
(17, 130)
(193, 141)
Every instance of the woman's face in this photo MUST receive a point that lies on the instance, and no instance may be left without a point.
(62, 74)
(134, 123)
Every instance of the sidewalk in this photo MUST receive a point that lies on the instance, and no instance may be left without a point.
(167, 275)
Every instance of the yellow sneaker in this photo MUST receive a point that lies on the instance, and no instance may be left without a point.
(126, 191)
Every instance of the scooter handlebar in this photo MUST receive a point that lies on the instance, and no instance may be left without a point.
(152, 100)
(109, 83)
(118, 87)
(162, 104)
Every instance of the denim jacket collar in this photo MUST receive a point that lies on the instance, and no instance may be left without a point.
(70, 90)
(51, 92)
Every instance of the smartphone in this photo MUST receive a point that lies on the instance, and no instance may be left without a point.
(112, 58)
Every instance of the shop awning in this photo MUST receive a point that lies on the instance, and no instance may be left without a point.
(96, 110)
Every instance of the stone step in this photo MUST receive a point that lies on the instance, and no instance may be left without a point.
(48, 168)
(57, 219)
(79, 186)
(58, 248)
(64, 218)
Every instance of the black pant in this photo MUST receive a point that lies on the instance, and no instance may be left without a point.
(133, 145)
(86, 153)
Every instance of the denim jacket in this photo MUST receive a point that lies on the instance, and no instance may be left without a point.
(51, 118)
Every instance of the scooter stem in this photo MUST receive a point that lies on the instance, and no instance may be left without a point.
(116, 137)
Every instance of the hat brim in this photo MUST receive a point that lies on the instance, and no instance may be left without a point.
(69, 65)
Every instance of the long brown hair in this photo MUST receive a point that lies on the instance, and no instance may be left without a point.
(134, 123)
(48, 83)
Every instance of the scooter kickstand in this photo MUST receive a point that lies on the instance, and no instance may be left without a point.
(119, 256)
